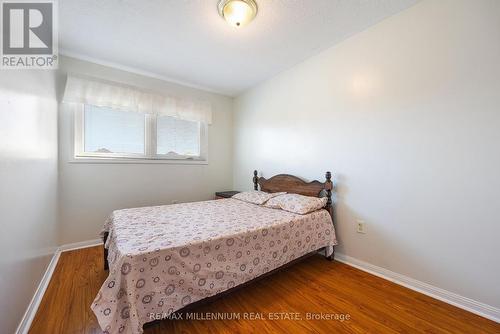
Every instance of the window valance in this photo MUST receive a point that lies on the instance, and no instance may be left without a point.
(127, 98)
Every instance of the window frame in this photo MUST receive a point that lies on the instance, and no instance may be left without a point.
(150, 145)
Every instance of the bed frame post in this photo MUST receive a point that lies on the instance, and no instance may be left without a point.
(255, 181)
(106, 264)
(328, 188)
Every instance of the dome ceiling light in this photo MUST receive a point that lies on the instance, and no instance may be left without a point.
(237, 12)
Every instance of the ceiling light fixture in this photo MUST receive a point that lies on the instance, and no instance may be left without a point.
(237, 12)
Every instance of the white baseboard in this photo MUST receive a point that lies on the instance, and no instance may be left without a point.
(27, 319)
(465, 303)
(29, 315)
(81, 244)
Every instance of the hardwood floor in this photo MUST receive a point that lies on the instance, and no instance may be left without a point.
(316, 286)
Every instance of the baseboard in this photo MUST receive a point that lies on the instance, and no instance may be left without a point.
(29, 315)
(81, 244)
(465, 303)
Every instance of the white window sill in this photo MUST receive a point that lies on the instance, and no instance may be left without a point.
(136, 161)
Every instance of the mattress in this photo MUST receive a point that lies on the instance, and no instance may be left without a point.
(163, 258)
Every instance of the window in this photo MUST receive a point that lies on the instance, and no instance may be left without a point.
(176, 136)
(110, 131)
(105, 133)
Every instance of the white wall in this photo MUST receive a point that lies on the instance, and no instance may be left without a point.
(407, 116)
(88, 193)
(28, 187)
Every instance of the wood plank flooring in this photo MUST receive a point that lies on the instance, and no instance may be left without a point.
(315, 286)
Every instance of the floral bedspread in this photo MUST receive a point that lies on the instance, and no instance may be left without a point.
(163, 258)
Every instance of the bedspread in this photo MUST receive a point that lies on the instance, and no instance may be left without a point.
(163, 258)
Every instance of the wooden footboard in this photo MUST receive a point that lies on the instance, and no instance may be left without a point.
(104, 238)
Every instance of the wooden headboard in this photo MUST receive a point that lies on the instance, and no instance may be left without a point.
(293, 184)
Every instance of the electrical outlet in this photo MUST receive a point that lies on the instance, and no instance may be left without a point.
(361, 227)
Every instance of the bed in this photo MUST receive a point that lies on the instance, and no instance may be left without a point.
(169, 258)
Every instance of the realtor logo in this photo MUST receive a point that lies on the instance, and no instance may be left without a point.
(29, 38)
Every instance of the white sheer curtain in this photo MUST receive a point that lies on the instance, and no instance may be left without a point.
(122, 97)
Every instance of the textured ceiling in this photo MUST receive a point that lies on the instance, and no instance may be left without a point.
(186, 41)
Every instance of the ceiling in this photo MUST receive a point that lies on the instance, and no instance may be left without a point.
(186, 41)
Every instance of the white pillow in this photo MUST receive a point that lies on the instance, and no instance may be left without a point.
(255, 196)
(296, 203)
